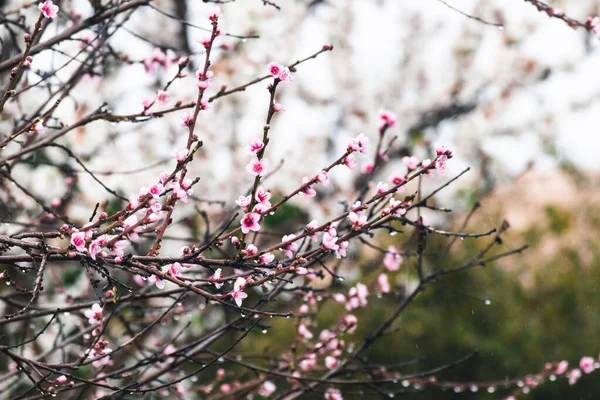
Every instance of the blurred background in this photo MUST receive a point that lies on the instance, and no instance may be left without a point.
(519, 105)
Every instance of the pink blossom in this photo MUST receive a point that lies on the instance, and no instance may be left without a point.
(147, 103)
(274, 69)
(595, 25)
(357, 296)
(350, 321)
(225, 388)
(156, 190)
(256, 146)
(49, 9)
(308, 363)
(267, 389)
(96, 246)
(587, 364)
(257, 167)
(440, 163)
(186, 120)
(323, 178)
(181, 155)
(289, 248)
(155, 207)
(78, 241)
(358, 206)
(278, 107)
(562, 367)
(266, 258)
(392, 259)
(312, 225)
(358, 143)
(157, 57)
(153, 217)
(95, 314)
(331, 362)
(38, 128)
(170, 349)
(301, 271)
(361, 292)
(350, 161)
(117, 248)
(203, 84)
(303, 310)
(308, 191)
(181, 192)
(330, 241)
(251, 250)
(410, 162)
(342, 249)
(384, 283)
(214, 15)
(368, 168)
(310, 229)
(388, 118)
(149, 67)
(304, 332)
(142, 193)
(440, 150)
(201, 76)
(204, 104)
(186, 183)
(397, 180)
(163, 97)
(574, 376)
(97, 353)
(238, 293)
(244, 202)
(333, 394)
(531, 381)
(157, 281)
(382, 188)
(61, 379)
(260, 208)
(250, 222)
(396, 206)
(285, 75)
(358, 220)
(339, 298)
(163, 177)
(130, 222)
(175, 269)
(331, 229)
(326, 335)
(263, 196)
(215, 277)
(139, 280)
(205, 42)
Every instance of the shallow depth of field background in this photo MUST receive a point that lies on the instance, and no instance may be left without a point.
(520, 106)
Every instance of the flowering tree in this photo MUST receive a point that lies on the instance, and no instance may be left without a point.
(149, 314)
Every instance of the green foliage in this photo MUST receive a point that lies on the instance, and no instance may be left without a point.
(287, 214)
(71, 275)
(536, 313)
(558, 221)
